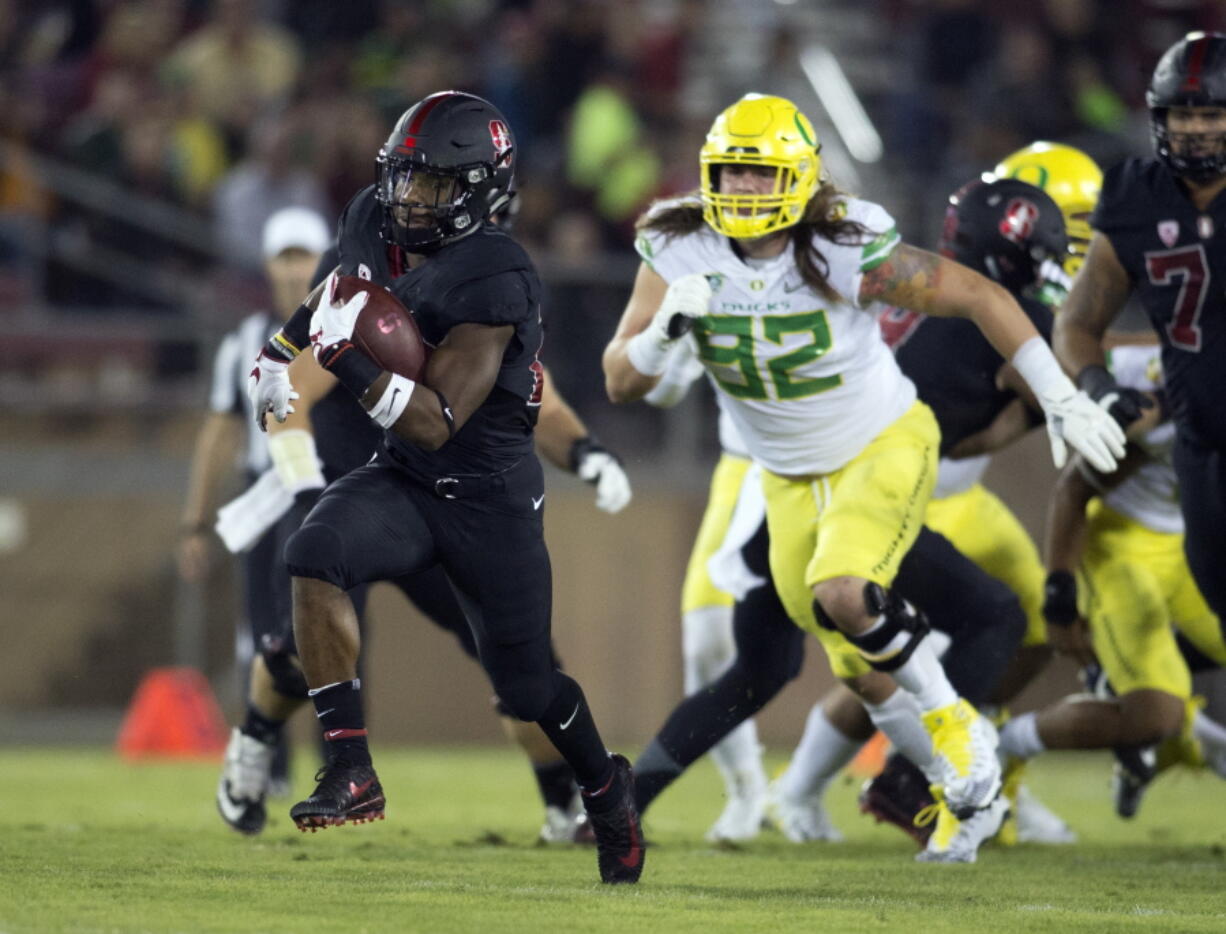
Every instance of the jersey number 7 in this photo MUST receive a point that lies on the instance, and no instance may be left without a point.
(1189, 266)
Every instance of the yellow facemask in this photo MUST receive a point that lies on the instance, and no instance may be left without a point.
(760, 130)
(1071, 178)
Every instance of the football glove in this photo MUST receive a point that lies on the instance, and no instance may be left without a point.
(1125, 405)
(1072, 416)
(687, 298)
(269, 389)
(333, 322)
(600, 467)
(1074, 419)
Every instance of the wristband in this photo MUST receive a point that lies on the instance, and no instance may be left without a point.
(391, 405)
(352, 368)
(1039, 368)
(296, 332)
(1060, 598)
(582, 447)
(447, 416)
(647, 353)
(295, 461)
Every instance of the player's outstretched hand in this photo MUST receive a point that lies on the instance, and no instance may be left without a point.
(269, 389)
(1126, 405)
(1076, 419)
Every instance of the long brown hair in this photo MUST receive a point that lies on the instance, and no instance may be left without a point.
(823, 217)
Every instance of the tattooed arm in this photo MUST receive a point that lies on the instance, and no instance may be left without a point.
(1098, 293)
(925, 282)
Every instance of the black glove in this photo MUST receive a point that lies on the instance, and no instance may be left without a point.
(1123, 404)
(1060, 598)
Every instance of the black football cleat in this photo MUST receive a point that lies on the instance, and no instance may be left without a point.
(615, 825)
(897, 795)
(345, 793)
(1135, 768)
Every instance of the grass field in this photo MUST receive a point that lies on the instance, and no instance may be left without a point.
(90, 844)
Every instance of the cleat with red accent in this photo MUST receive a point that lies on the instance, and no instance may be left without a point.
(897, 795)
(345, 792)
(614, 821)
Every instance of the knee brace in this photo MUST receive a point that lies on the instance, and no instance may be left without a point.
(287, 677)
(901, 627)
(315, 551)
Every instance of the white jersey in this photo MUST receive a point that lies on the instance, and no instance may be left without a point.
(1150, 495)
(231, 367)
(806, 382)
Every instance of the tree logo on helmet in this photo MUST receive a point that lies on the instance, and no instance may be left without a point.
(501, 138)
(1017, 225)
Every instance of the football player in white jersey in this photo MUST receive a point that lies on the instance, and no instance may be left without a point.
(773, 269)
(1118, 582)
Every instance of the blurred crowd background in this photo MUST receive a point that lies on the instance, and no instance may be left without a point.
(144, 143)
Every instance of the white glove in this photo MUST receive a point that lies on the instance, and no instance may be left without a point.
(334, 320)
(1072, 416)
(603, 470)
(1077, 419)
(269, 389)
(687, 298)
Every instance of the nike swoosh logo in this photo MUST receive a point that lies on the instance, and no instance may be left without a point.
(395, 393)
(631, 859)
(324, 713)
(333, 734)
(573, 713)
(536, 504)
(356, 791)
(794, 288)
(232, 810)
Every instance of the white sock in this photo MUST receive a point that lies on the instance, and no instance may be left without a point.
(822, 753)
(708, 648)
(923, 677)
(1020, 737)
(899, 719)
(1209, 732)
(738, 756)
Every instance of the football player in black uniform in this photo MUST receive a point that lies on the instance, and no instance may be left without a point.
(456, 483)
(1160, 230)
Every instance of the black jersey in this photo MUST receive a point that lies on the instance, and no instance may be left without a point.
(954, 367)
(1175, 256)
(483, 278)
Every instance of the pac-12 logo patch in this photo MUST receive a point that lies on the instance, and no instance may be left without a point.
(501, 137)
(364, 272)
(1018, 223)
(1168, 232)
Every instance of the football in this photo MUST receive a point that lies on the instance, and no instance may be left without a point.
(385, 329)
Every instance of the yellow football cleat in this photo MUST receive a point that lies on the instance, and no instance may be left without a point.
(964, 749)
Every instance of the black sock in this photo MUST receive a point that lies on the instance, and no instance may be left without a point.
(258, 726)
(569, 725)
(339, 709)
(556, 781)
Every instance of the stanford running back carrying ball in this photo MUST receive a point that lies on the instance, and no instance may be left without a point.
(456, 483)
(1160, 230)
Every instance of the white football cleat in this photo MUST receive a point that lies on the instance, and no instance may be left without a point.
(958, 841)
(964, 755)
(563, 825)
(244, 782)
(801, 820)
(742, 816)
